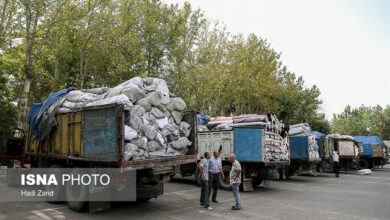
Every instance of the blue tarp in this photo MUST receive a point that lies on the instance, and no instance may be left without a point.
(35, 116)
(373, 140)
(318, 134)
(34, 110)
(202, 118)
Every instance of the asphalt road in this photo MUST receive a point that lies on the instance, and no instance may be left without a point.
(303, 197)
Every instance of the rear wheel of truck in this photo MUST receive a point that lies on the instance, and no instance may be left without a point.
(77, 194)
(364, 164)
(144, 199)
(256, 182)
(59, 190)
(197, 177)
(282, 174)
(225, 183)
(327, 167)
(314, 168)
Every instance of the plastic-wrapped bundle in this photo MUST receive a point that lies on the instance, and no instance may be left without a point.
(150, 130)
(130, 133)
(120, 99)
(181, 143)
(131, 150)
(96, 91)
(185, 128)
(300, 129)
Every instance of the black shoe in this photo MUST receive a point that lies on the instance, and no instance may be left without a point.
(236, 208)
(215, 201)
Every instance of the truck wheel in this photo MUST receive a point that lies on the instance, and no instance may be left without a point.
(197, 177)
(314, 168)
(225, 184)
(77, 195)
(256, 182)
(364, 164)
(282, 174)
(144, 199)
(59, 190)
(327, 167)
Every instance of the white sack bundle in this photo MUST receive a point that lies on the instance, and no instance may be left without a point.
(119, 99)
(180, 144)
(130, 133)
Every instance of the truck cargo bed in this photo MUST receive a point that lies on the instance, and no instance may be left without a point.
(96, 134)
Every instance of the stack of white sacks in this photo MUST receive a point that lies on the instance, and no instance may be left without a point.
(153, 125)
(276, 147)
(305, 130)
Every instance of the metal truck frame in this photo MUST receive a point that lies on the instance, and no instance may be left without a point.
(248, 144)
(94, 137)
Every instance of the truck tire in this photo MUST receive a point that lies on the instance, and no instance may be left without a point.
(77, 195)
(59, 191)
(364, 164)
(327, 167)
(314, 168)
(225, 184)
(144, 199)
(197, 177)
(256, 182)
(282, 174)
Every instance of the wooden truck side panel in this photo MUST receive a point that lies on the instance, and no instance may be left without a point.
(65, 140)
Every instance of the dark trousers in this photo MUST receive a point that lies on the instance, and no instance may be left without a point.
(336, 168)
(214, 184)
(204, 194)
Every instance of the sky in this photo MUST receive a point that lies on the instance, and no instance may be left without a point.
(341, 46)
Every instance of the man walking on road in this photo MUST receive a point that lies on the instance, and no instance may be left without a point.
(215, 170)
(336, 167)
(203, 167)
(235, 180)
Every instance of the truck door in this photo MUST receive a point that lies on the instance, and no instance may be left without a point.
(14, 144)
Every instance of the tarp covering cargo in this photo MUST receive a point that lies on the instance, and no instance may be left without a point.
(372, 146)
(373, 140)
(40, 120)
(317, 134)
(154, 126)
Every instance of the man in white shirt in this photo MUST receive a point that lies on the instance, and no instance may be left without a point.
(215, 170)
(336, 167)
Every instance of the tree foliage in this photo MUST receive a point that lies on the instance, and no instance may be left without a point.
(363, 121)
(50, 45)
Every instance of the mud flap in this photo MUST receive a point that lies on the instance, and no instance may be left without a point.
(247, 185)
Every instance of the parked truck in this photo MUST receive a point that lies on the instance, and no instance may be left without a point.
(372, 151)
(94, 137)
(347, 148)
(249, 144)
(301, 155)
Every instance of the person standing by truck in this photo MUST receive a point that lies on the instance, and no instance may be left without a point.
(336, 166)
(215, 170)
(203, 167)
(235, 180)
